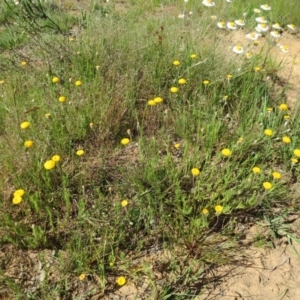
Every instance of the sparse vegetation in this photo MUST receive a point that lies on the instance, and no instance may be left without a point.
(134, 141)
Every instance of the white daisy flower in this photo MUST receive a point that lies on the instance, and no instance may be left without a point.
(265, 7)
(181, 16)
(261, 20)
(208, 3)
(248, 54)
(231, 25)
(284, 48)
(245, 14)
(238, 49)
(239, 22)
(262, 28)
(291, 26)
(221, 24)
(229, 1)
(275, 34)
(256, 10)
(213, 17)
(277, 26)
(253, 36)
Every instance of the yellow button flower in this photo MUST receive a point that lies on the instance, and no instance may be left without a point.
(151, 103)
(28, 144)
(25, 125)
(206, 82)
(267, 185)
(17, 199)
(62, 99)
(256, 170)
(121, 280)
(226, 152)
(23, 63)
(276, 175)
(176, 62)
(195, 172)
(158, 100)
(297, 152)
(283, 106)
(174, 89)
(286, 139)
(124, 203)
(125, 141)
(49, 164)
(205, 211)
(182, 81)
(193, 56)
(19, 192)
(78, 83)
(218, 209)
(55, 79)
(268, 132)
(81, 277)
(55, 158)
(80, 152)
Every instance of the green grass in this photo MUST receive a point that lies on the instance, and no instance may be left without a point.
(123, 55)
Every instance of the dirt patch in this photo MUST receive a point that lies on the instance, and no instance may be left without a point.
(270, 273)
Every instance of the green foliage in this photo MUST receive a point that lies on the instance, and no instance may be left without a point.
(124, 58)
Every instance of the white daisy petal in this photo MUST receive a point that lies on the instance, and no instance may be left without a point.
(291, 26)
(221, 24)
(238, 49)
(261, 20)
(275, 34)
(262, 28)
(265, 7)
(239, 22)
(231, 25)
(277, 26)
(253, 36)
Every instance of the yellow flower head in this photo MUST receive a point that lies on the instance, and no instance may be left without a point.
(182, 81)
(62, 99)
(269, 109)
(206, 82)
(256, 170)
(55, 158)
(268, 132)
(28, 144)
(19, 192)
(229, 76)
(158, 100)
(177, 145)
(174, 89)
(151, 103)
(176, 62)
(256, 69)
(124, 203)
(283, 106)
(121, 280)
(248, 54)
(17, 200)
(286, 139)
(218, 209)
(23, 63)
(78, 83)
(286, 117)
(49, 164)
(205, 211)
(297, 152)
(267, 185)
(125, 141)
(25, 125)
(276, 175)
(47, 115)
(195, 172)
(193, 56)
(80, 152)
(294, 160)
(81, 277)
(55, 79)
(226, 152)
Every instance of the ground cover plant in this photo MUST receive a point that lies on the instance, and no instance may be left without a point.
(135, 136)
